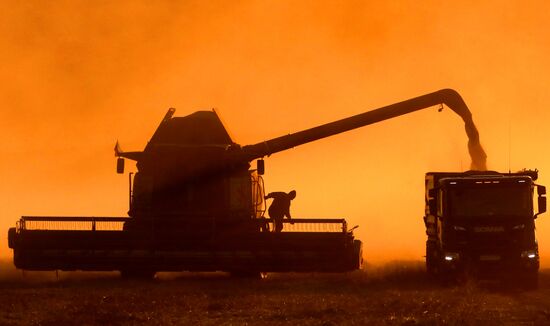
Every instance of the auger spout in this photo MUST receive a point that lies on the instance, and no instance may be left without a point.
(449, 97)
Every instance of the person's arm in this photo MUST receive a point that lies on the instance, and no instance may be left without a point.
(287, 213)
(274, 195)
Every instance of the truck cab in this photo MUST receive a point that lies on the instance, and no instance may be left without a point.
(483, 223)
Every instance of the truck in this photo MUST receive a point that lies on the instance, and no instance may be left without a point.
(482, 224)
(197, 204)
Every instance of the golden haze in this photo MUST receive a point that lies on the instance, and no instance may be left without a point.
(77, 77)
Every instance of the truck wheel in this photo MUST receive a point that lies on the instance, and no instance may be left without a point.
(530, 280)
(431, 258)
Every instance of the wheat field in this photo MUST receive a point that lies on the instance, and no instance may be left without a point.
(397, 293)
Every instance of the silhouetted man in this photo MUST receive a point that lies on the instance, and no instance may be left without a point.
(280, 207)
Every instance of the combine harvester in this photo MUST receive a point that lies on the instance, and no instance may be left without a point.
(196, 205)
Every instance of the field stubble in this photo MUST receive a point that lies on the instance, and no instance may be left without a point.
(396, 293)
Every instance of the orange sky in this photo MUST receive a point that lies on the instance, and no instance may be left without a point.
(77, 77)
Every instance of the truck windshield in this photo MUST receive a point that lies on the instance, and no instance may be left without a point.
(490, 201)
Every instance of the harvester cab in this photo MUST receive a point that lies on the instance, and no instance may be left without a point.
(189, 174)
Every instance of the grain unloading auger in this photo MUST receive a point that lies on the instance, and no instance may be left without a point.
(196, 205)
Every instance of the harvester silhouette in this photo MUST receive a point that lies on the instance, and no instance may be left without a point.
(196, 205)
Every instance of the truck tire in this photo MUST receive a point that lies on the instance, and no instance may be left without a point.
(432, 259)
(530, 280)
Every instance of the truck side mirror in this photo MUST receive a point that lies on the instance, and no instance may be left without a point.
(541, 190)
(542, 205)
(260, 166)
(120, 165)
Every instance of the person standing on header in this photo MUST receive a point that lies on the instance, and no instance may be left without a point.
(280, 207)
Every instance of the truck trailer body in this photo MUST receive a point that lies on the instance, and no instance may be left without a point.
(483, 222)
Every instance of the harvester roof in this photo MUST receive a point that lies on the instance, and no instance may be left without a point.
(196, 129)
